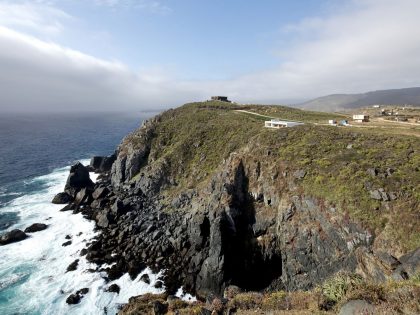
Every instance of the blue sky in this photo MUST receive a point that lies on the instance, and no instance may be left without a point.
(125, 54)
(198, 40)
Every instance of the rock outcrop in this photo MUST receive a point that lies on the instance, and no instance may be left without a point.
(36, 227)
(77, 180)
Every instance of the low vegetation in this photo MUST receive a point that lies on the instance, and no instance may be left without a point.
(390, 297)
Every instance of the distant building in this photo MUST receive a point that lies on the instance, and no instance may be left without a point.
(344, 122)
(332, 122)
(376, 106)
(220, 98)
(361, 118)
(274, 123)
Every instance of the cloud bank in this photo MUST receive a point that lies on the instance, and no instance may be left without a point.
(366, 45)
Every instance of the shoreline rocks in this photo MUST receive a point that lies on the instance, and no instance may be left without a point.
(75, 298)
(12, 237)
(36, 227)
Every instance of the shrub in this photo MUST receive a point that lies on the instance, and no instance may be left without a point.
(336, 287)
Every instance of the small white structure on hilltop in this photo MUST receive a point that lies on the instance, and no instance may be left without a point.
(361, 118)
(376, 106)
(332, 122)
(275, 123)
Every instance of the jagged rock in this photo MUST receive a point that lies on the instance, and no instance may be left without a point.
(100, 192)
(12, 237)
(145, 278)
(76, 297)
(114, 288)
(388, 260)
(158, 284)
(36, 227)
(102, 164)
(77, 179)
(410, 265)
(73, 266)
(357, 307)
(68, 207)
(118, 207)
(62, 198)
(116, 271)
(82, 196)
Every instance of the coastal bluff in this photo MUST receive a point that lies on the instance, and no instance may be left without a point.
(209, 195)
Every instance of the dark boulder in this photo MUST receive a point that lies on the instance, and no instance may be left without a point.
(113, 288)
(66, 243)
(102, 164)
(12, 237)
(70, 206)
(76, 297)
(36, 227)
(145, 278)
(77, 179)
(73, 265)
(62, 198)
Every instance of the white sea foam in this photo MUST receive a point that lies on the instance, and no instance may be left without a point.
(45, 260)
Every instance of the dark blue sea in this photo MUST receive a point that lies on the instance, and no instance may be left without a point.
(36, 152)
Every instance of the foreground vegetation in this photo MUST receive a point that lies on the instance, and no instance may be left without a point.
(386, 298)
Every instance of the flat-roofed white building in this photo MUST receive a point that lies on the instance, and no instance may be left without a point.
(275, 123)
(361, 118)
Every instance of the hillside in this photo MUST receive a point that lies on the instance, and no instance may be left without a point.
(209, 195)
(337, 102)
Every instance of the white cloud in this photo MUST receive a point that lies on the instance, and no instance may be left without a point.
(37, 75)
(372, 44)
(37, 16)
(149, 5)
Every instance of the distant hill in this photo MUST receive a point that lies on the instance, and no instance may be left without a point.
(348, 101)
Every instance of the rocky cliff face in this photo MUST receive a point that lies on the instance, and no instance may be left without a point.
(249, 222)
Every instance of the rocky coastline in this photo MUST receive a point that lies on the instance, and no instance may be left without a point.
(249, 225)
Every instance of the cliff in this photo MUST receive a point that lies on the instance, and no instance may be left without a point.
(208, 194)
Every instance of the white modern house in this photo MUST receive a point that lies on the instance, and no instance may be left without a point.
(332, 122)
(361, 118)
(275, 123)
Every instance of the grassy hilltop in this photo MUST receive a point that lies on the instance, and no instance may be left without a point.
(346, 166)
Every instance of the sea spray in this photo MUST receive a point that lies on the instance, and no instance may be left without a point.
(33, 272)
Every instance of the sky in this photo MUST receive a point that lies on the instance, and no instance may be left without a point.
(124, 55)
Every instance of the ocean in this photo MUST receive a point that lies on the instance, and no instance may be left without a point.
(35, 156)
